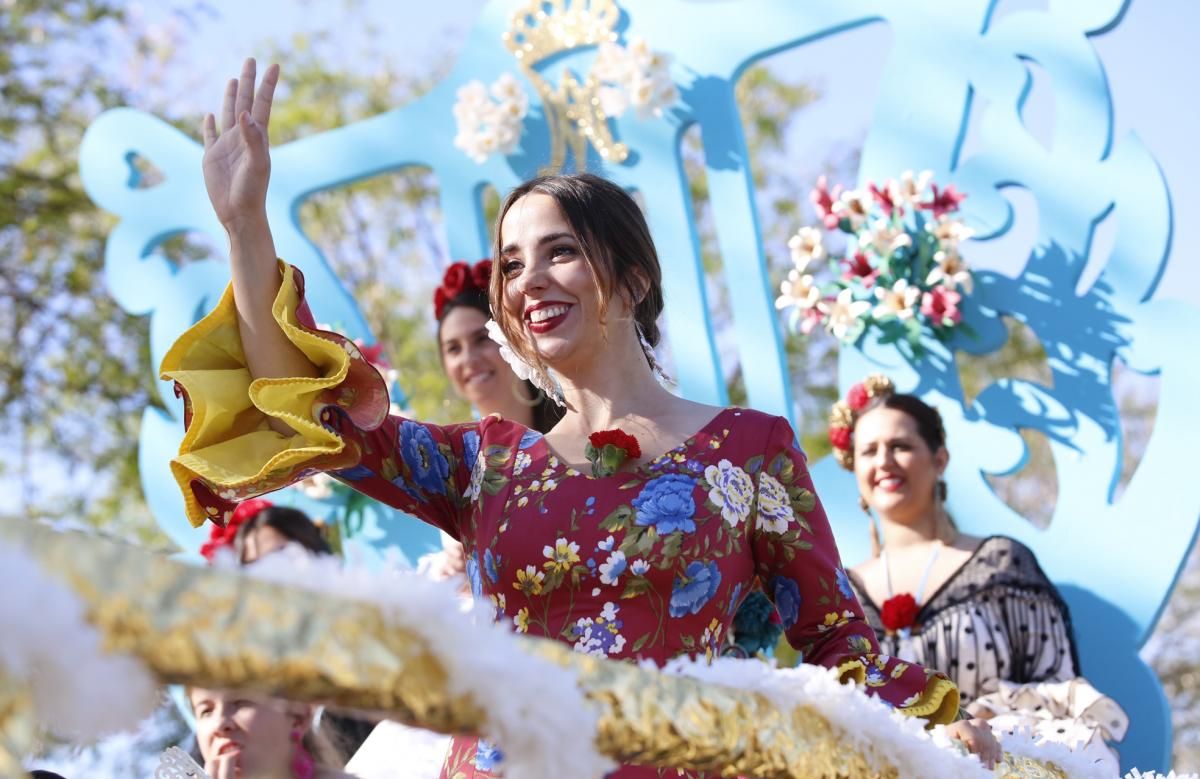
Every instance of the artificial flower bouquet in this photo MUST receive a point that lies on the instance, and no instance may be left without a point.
(900, 272)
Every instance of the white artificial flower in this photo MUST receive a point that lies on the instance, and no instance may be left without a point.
(949, 232)
(855, 206)
(843, 313)
(632, 76)
(486, 126)
(950, 270)
(806, 247)
(883, 238)
(900, 301)
(909, 189)
(798, 290)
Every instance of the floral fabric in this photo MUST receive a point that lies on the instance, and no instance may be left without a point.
(650, 562)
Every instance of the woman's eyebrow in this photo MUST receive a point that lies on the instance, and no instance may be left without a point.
(545, 239)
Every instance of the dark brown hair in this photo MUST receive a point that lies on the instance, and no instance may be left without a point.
(615, 240)
(292, 524)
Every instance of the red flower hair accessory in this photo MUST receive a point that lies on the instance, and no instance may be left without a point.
(844, 415)
(219, 537)
(899, 612)
(459, 279)
(609, 449)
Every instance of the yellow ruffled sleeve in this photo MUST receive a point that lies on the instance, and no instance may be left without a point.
(229, 452)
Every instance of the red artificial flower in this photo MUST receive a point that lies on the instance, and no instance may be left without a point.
(899, 612)
(461, 278)
(857, 398)
(822, 202)
(618, 438)
(220, 536)
(859, 266)
(839, 436)
(481, 274)
(456, 278)
(945, 201)
(439, 302)
(884, 198)
(940, 305)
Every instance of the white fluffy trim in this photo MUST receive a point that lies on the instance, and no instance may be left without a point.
(535, 711)
(79, 691)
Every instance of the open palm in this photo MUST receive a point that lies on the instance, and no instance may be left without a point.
(237, 161)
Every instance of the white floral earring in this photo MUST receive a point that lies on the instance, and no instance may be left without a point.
(539, 377)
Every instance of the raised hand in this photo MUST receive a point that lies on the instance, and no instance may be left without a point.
(237, 161)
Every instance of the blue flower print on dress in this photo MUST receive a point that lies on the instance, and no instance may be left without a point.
(667, 505)
(429, 467)
(843, 584)
(487, 756)
(490, 568)
(600, 636)
(473, 576)
(735, 599)
(695, 588)
(357, 473)
(787, 599)
(470, 447)
(528, 439)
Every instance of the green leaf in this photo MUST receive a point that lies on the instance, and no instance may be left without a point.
(636, 586)
(618, 519)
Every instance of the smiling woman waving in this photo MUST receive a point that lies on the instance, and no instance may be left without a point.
(636, 544)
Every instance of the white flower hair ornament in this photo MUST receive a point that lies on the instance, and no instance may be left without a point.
(539, 377)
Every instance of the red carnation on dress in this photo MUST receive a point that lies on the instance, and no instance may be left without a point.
(899, 612)
(857, 398)
(839, 436)
(619, 439)
(608, 450)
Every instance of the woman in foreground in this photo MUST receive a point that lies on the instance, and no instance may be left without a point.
(631, 530)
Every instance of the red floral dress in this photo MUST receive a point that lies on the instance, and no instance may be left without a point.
(650, 562)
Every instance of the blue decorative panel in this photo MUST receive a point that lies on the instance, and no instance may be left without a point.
(950, 61)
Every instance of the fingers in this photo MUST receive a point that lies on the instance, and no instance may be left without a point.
(261, 112)
(227, 114)
(209, 130)
(251, 134)
(245, 92)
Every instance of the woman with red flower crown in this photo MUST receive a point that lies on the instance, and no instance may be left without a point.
(979, 609)
(648, 561)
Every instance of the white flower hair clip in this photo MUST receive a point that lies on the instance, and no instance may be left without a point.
(542, 379)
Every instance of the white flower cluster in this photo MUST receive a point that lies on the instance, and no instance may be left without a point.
(633, 76)
(489, 118)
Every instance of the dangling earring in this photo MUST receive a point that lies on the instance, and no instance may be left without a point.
(303, 765)
(873, 527)
(648, 350)
(518, 392)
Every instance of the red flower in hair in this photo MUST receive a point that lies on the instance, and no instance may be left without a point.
(839, 437)
(481, 274)
(899, 612)
(459, 279)
(857, 398)
(224, 536)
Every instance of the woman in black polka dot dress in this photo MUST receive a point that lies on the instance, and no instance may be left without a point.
(979, 609)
